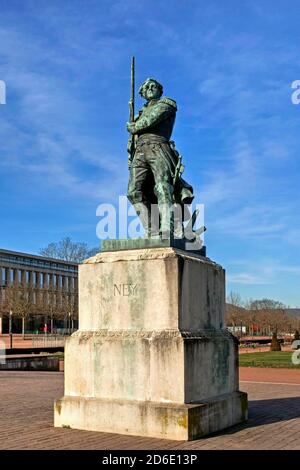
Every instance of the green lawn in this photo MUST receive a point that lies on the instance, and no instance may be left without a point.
(268, 359)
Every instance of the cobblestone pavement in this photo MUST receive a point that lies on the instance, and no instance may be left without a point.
(26, 416)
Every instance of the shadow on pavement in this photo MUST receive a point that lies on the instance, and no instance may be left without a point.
(262, 412)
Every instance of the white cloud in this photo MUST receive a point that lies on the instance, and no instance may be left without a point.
(260, 271)
(42, 140)
(247, 278)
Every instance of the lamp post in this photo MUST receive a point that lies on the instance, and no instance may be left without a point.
(69, 323)
(10, 330)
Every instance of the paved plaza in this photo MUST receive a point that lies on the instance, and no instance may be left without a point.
(26, 410)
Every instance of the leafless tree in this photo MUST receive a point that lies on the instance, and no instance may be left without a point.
(266, 316)
(18, 301)
(68, 250)
(262, 316)
(235, 299)
(234, 310)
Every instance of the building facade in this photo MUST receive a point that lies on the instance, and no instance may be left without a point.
(37, 293)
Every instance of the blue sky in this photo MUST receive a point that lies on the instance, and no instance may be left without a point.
(229, 65)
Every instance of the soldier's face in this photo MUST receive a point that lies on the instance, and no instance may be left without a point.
(151, 91)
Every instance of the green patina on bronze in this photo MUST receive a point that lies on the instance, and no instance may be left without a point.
(144, 243)
(154, 163)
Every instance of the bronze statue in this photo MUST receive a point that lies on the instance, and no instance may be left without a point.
(155, 165)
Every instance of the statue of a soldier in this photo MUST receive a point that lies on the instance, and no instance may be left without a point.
(155, 165)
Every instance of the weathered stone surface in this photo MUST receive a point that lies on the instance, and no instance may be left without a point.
(162, 288)
(164, 420)
(161, 366)
(151, 356)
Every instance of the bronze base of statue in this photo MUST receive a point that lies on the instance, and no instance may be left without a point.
(144, 243)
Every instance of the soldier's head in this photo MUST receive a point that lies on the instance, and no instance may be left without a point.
(151, 89)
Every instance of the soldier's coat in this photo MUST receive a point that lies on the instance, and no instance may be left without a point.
(153, 126)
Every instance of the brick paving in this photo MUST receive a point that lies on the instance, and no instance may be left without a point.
(258, 374)
(26, 416)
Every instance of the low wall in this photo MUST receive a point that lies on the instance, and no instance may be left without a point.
(23, 351)
(47, 363)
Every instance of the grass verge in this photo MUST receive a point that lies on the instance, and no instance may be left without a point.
(280, 359)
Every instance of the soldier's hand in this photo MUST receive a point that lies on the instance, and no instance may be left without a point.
(131, 127)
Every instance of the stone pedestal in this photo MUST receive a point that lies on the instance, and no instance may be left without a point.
(151, 356)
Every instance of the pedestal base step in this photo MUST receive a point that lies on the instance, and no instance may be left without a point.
(162, 420)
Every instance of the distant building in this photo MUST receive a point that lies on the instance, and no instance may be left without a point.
(237, 329)
(37, 291)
